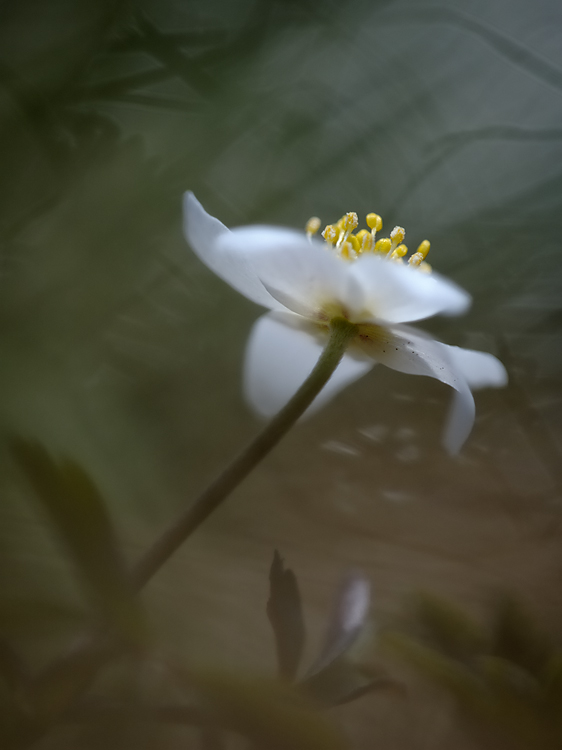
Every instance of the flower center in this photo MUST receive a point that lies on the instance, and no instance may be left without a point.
(341, 239)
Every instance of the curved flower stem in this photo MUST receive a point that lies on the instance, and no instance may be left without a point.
(341, 333)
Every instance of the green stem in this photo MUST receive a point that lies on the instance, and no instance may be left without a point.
(342, 331)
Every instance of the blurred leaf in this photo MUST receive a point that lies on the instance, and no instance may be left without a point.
(518, 703)
(517, 638)
(348, 618)
(12, 669)
(467, 687)
(65, 679)
(165, 49)
(449, 627)
(31, 616)
(507, 678)
(342, 681)
(552, 678)
(211, 739)
(270, 714)
(285, 615)
(51, 42)
(77, 511)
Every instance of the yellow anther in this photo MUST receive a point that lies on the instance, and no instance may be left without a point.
(383, 246)
(348, 252)
(346, 224)
(374, 221)
(367, 244)
(365, 241)
(397, 235)
(312, 225)
(350, 246)
(331, 234)
(355, 244)
(423, 249)
(399, 252)
(416, 259)
(350, 221)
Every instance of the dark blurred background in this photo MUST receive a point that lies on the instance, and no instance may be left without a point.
(120, 349)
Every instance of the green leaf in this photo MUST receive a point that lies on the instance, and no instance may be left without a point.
(342, 681)
(508, 679)
(271, 714)
(469, 689)
(449, 627)
(77, 511)
(285, 615)
(552, 677)
(12, 669)
(25, 616)
(518, 639)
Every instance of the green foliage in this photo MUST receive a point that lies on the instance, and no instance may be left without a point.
(78, 514)
(508, 676)
(271, 714)
(450, 627)
(344, 680)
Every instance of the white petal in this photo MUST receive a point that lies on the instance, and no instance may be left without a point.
(397, 293)
(204, 232)
(281, 353)
(347, 620)
(481, 370)
(302, 274)
(410, 351)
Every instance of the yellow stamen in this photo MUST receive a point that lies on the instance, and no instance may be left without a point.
(354, 243)
(348, 252)
(366, 243)
(312, 225)
(350, 246)
(330, 234)
(347, 224)
(399, 252)
(374, 221)
(397, 236)
(350, 221)
(383, 246)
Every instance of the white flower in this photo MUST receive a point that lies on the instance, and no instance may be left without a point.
(305, 283)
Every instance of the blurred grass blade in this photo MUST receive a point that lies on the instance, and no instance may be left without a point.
(285, 615)
(77, 512)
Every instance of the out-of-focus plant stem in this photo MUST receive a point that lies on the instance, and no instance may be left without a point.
(342, 331)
